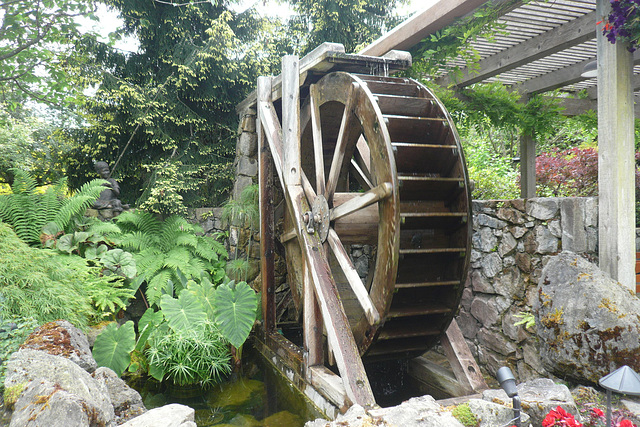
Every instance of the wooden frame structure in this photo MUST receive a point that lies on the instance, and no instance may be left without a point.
(545, 46)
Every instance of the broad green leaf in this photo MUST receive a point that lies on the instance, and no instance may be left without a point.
(120, 262)
(66, 244)
(114, 345)
(205, 293)
(183, 313)
(147, 324)
(235, 311)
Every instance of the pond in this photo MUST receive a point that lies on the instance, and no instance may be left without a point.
(257, 397)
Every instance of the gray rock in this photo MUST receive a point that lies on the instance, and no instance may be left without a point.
(247, 144)
(33, 365)
(508, 283)
(538, 397)
(492, 265)
(496, 342)
(416, 412)
(507, 245)
(484, 240)
(480, 283)
(518, 232)
(483, 308)
(511, 215)
(515, 333)
(587, 323)
(247, 166)
(126, 401)
(547, 242)
(61, 338)
(241, 183)
(173, 415)
(484, 220)
(543, 208)
(555, 228)
(356, 416)
(43, 404)
(491, 414)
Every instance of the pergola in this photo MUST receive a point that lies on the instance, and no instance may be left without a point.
(546, 46)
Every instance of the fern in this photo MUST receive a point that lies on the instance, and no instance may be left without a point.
(28, 210)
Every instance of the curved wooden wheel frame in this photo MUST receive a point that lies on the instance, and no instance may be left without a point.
(345, 139)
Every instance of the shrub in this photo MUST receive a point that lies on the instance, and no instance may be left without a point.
(568, 173)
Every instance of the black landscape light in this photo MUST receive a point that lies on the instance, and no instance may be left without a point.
(508, 384)
(624, 381)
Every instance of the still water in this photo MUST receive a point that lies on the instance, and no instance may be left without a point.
(259, 396)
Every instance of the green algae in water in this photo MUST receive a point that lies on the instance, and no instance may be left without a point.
(259, 398)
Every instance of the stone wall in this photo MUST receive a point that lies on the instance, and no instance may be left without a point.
(512, 241)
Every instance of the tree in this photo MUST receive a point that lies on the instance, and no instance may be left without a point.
(37, 54)
(166, 114)
(354, 23)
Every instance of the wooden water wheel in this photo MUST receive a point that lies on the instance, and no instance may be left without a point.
(367, 164)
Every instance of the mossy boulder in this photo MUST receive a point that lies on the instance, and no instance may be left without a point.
(588, 324)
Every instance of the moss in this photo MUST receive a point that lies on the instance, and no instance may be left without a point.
(51, 338)
(11, 394)
(463, 414)
(553, 320)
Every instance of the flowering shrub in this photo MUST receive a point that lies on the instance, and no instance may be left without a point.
(559, 417)
(623, 23)
(596, 418)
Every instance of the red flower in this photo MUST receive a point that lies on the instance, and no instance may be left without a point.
(626, 423)
(560, 417)
(597, 412)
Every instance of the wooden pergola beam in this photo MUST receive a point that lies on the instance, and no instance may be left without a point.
(570, 34)
(562, 77)
(420, 25)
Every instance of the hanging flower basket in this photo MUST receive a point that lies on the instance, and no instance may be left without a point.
(623, 23)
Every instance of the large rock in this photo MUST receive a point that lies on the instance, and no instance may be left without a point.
(44, 404)
(127, 403)
(538, 397)
(490, 414)
(588, 324)
(416, 412)
(29, 365)
(61, 338)
(173, 415)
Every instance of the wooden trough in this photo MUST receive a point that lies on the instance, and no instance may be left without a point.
(357, 157)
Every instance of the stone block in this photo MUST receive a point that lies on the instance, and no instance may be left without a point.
(507, 244)
(492, 265)
(511, 215)
(247, 166)
(543, 208)
(491, 414)
(496, 342)
(518, 232)
(241, 183)
(468, 325)
(484, 240)
(523, 261)
(547, 243)
(484, 309)
(479, 283)
(508, 284)
(484, 220)
(515, 333)
(574, 237)
(248, 145)
(173, 415)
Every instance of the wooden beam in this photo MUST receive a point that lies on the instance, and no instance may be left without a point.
(616, 164)
(562, 77)
(527, 166)
(463, 365)
(570, 34)
(420, 25)
(291, 119)
(267, 253)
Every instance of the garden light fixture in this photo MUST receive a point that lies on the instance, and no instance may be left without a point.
(624, 381)
(508, 384)
(590, 70)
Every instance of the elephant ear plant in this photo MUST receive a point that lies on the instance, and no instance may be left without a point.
(191, 333)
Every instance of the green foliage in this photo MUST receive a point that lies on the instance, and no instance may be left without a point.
(494, 184)
(114, 346)
(244, 212)
(235, 308)
(160, 248)
(527, 319)
(184, 312)
(28, 210)
(36, 48)
(354, 23)
(13, 332)
(463, 414)
(47, 286)
(194, 356)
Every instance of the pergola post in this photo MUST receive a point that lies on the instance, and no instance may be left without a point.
(527, 166)
(616, 177)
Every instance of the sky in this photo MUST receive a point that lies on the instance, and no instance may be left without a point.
(109, 20)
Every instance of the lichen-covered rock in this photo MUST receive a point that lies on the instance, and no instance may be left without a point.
(36, 366)
(490, 414)
(127, 403)
(588, 323)
(538, 397)
(421, 411)
(61, 338)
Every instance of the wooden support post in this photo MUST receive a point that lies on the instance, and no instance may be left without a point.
(312, 326)
(616, 183)
(291, 119)
(527, 166)
(463, 365)
(267, 267)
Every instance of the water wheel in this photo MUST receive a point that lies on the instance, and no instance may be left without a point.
(375, 168)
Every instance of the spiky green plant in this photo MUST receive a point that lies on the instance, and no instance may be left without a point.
(28, 210)
(161, 248)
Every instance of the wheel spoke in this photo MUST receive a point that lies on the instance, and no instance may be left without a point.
(359, 175)
(353, 278)
(341, 145)
(380, 192)
(362, 156)
(317, 138)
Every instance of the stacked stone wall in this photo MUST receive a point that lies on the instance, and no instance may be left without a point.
(512, 241)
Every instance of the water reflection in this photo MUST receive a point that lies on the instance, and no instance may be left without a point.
(258, 397)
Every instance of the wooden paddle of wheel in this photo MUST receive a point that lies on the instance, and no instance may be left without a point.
(373, 162)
